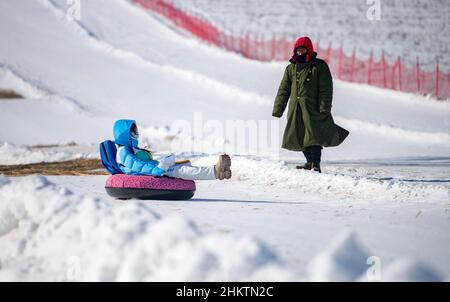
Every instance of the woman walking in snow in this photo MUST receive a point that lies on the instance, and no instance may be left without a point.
(307, 82)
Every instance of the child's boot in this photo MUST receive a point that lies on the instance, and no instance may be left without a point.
(223, 167)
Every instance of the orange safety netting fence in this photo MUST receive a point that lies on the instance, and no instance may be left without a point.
(396, 75)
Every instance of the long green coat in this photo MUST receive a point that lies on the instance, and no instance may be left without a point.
(310, 89)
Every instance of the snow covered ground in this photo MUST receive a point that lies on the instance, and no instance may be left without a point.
(230, 231)
(385, 192)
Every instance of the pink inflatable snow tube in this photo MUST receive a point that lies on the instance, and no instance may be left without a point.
(124, 186)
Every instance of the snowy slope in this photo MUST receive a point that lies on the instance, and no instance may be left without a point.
(142, 69)
(124, 80)
(119, 61)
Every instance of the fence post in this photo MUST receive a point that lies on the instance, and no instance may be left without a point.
(399, 73)
(341, 53)
(317, 47)
(273, 46)
(393, 67)
(418, 74)
(255, 45)
(253, 48)
(286, 46)
(203, 28)
(209, 35)
(262, 53)
(353, 63)
(241, 44)
(328, 52)
(221, 39)
(246, 45)
(384, 69)
(437, 77)
(369, 77)
(262, 46)
(197, 29)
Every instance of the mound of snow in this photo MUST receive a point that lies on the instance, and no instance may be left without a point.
(49, 233)
(345, 259)
(332, 184)
(409, 270)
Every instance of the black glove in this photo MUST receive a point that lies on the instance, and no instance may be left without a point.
(277, 115)
(324, 110)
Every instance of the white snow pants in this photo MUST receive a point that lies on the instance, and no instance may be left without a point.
(189, 172)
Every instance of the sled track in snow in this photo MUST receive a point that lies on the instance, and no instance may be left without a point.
(184, 75)
(40, 89)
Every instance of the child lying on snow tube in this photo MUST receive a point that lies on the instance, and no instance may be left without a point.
(142, 177)
(133, 160)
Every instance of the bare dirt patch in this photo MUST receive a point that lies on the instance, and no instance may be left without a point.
(77, 167)
(9, 94)
(71, 144)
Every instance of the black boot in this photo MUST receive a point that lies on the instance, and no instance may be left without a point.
(316, 167)
(307, 166)
(316, 156)
(307, 154)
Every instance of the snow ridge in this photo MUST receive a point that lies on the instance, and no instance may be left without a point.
(270, 173)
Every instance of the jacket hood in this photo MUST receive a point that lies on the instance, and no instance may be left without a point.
(122, 133)
(305, 42)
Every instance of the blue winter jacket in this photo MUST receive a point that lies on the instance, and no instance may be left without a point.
(126, 158)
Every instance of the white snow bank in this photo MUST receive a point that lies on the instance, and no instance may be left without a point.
(21, 155)
(48, 233)
(346, 259)
(409, 270)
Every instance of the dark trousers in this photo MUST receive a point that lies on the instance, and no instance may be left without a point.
(313, 154)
